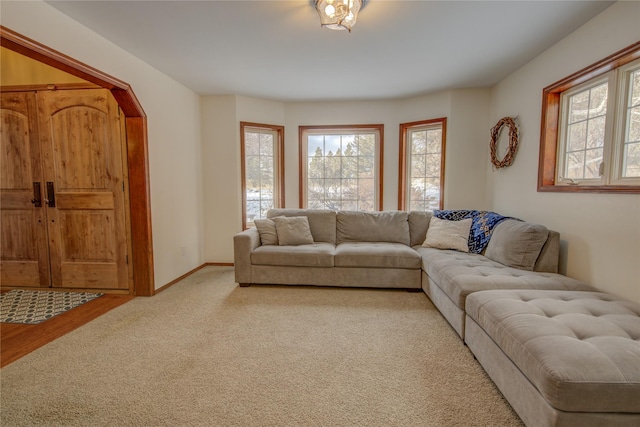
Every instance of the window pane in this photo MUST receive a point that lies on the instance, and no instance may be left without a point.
(264, 207)
(577, 136)
(349, 167)
(575, 165)
(417, 189)
(633, 132)
(578, 106)
(315, 167)
(632, 161)
(251, 144)
(332, 167)
(434, 141)
(331, 144)
(598, 101)
(418, 166)
(366, 145)
(332, 188)
(595, 136)
(631, 152)
(349, 189)
(266, 145)
(366, 167)
(635, 88)
(349, 205)
(433, 166)
(366, 190)
(593, 158)
(417, 205)
(315, 145)
(585, 133)
(419, 142)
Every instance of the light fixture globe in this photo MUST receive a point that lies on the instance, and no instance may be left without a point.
(338, 14)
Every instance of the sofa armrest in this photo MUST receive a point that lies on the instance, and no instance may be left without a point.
(243, 244)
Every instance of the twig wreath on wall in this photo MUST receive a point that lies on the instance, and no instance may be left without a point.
(513, 142)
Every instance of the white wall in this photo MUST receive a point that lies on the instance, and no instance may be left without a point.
(467, 136)
(221, 117)
(467, 150)
(173, 113)
(600, 232)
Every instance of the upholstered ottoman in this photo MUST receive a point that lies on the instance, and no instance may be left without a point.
(561, 358)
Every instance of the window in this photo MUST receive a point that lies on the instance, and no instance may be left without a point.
(341, 167)
(590, 139)
(262, 152)
(422, 149)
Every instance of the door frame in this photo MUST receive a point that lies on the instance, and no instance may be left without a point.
(137, 148)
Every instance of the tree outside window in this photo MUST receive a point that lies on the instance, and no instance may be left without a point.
(340, 167)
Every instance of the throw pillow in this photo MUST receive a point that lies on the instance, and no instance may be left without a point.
(443, 234)
(267, 230)
(293, 230)
(517, 244)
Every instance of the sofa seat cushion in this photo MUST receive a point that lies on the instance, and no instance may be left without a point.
(376, 254)
(459, 274)
(581, 350)
(313, 255)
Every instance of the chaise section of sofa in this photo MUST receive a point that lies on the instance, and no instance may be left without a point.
(561, 358)
(519, 255)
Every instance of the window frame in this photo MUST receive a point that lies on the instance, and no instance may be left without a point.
(343, 129)
(278, 199)
(621, 124)
(404, 152)
(550, 128)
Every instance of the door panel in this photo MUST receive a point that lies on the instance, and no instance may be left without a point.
(82, 157)
(24, 259)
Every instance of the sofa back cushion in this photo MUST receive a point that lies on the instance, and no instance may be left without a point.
(517, 243)
(322, 223)
(389, 226)
(418, 225)
(549, 259)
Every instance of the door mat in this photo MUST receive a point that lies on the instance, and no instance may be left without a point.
(31, 307)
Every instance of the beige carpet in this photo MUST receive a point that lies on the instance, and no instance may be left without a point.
(208, 353)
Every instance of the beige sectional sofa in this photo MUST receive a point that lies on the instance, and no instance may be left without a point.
(384, 249)
(561, 353)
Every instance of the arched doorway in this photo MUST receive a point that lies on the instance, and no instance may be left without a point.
(137, 148)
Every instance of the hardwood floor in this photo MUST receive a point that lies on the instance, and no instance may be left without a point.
(18, 340)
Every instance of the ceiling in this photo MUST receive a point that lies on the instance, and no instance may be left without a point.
(277, 49)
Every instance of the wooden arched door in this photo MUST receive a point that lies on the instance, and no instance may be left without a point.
(135, 123)
(71, 231)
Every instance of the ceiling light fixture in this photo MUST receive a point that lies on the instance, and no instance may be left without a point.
(338, 14)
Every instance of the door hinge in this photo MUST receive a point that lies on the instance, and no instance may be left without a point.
(127, 258)
(123, 186)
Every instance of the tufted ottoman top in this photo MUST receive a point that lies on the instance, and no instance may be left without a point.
(460, 274)
(581, 350)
